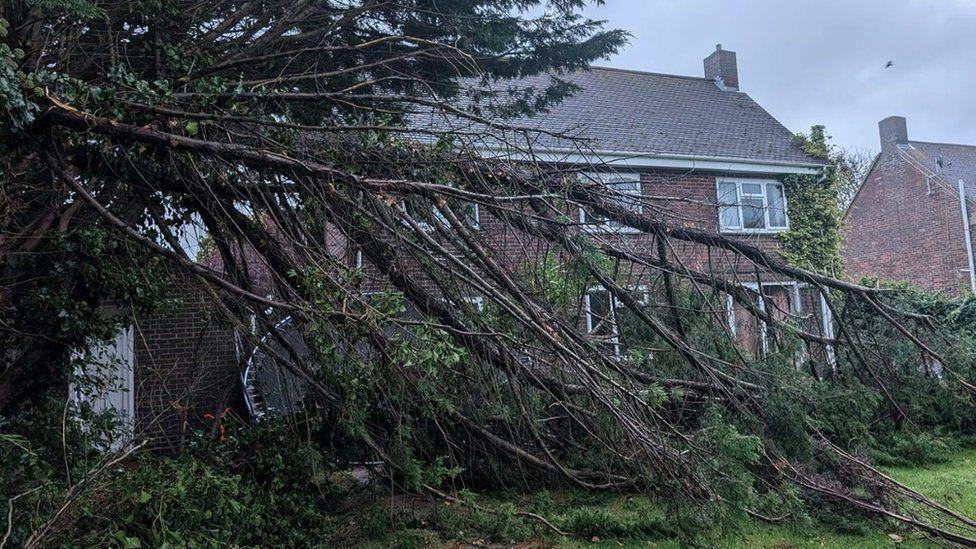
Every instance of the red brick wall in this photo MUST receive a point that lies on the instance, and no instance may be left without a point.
(185, 365)
(186, 360)
(690, 200)
(902, 228)
(682, 198)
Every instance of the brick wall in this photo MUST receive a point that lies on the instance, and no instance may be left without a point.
(185, 364)
(682, 198)
(901, 227)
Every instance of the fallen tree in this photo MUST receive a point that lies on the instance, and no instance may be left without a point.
(280, 129)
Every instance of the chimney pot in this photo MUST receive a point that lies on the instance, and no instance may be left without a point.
(721, 67)
(893, 131)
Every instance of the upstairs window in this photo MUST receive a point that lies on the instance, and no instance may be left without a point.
(751, 206)
(468, 212)
(624, 190)
(425, 212)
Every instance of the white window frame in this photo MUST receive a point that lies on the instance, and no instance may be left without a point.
(615, 338)
(475, 219)
(476, 300)
(608, 226)
(765, 208)
(796, 306)
(827, 318)
(474, 225)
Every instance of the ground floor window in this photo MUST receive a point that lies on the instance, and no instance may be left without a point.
(779, 300)
(603, 318)
(476, 301)
(801, 304)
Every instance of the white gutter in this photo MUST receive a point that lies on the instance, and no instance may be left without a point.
(968, 236)
(632, 159)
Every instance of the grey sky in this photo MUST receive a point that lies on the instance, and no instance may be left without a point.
(822, 62)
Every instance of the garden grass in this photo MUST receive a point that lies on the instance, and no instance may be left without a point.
(606, 520)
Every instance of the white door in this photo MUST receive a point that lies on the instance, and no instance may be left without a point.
(107, 382)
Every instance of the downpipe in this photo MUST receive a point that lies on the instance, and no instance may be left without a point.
(967, 235)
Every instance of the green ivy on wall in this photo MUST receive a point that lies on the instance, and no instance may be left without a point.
(814, 240)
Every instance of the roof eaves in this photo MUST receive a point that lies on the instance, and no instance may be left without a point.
(602, 157)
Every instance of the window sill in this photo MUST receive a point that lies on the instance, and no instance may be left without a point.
(753, 231)
(597, 229)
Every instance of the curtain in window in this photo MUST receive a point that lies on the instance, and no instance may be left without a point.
(728, 204)
(777, 205)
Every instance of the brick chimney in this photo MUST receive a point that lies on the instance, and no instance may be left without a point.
(893, 131)
(720, 66)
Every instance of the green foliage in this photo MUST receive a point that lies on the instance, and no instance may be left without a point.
(913, 449)
(561, 282)
(729, 458)
(636, 520)
(80, 9)
(261, 486)
(814, 240)
(189, 502)
(15, 106)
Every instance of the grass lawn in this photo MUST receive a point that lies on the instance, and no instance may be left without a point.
(633, 521)
(952, 483)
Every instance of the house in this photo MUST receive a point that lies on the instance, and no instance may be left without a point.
(697, 148)
(912, 216)
(711, 156)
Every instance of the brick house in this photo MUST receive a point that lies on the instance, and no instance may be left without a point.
(911, 218)
(697, 147)
(170, 368)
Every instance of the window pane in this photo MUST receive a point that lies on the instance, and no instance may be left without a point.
(777, 205)
(621, 188)
(752, 213)
(465, 211)
(777, 302)
(747, 326)
(728, 206)
(626, 187)
(752, 188)
(469, 215)
(592, 219)
(421, 211)
(600, 313)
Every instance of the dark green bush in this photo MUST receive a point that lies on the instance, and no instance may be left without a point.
(912, 449)
(260, 486)
(604, 523)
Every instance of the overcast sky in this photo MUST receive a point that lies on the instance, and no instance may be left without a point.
(810, 62)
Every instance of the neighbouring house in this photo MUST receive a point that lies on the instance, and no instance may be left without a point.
(697, 146)
(911, 219)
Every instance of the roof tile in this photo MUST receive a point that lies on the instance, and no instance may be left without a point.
(637, 112)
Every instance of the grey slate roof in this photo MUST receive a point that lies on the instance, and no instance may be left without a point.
(958, 162)
(659, 114)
